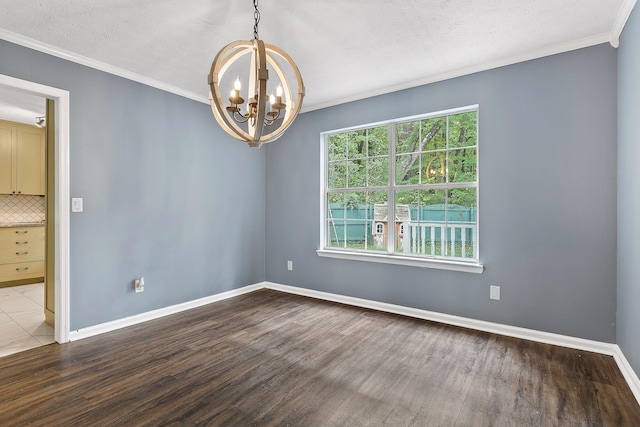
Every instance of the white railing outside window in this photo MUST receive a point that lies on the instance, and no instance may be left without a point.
(448, 239)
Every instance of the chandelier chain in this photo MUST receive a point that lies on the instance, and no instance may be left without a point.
(256, 19)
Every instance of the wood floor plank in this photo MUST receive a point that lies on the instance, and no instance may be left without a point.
(274, 359)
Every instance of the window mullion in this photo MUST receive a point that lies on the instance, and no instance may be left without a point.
(445, 242)
(391, 195)
(324, 186)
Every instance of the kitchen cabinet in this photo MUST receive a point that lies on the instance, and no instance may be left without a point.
(22, 254)
(22, 159)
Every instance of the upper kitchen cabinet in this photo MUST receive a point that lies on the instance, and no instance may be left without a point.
(22, 159)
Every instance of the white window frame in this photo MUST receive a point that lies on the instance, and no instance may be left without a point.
(471, 266)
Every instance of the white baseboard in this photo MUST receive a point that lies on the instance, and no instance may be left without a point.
(627, 372)
(161, 312)
(479, 325)
(496, 328)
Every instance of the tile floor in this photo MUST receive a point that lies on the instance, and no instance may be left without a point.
(22, 319)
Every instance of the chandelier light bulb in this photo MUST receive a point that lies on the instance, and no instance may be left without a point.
(279, 90)
(237, 85)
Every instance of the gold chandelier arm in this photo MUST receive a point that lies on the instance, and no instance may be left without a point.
(243, 118)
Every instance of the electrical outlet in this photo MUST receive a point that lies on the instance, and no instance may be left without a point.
(138, 285)
(76, 204)
(290, 265)
(494, 292)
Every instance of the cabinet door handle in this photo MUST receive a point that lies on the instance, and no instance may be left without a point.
(21, 253)
(22, 268)
(22, 243)
(22, 231)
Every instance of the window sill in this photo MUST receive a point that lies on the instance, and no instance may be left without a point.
(403, 260)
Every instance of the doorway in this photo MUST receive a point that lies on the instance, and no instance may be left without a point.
(58, 159)
(26, 314)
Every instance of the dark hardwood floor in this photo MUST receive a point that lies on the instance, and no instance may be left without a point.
(269, 358)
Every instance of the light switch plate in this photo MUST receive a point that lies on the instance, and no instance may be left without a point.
(76, 204)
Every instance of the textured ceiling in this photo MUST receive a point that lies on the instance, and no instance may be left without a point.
(345, 49)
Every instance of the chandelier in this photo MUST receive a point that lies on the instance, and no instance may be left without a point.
(264, 118)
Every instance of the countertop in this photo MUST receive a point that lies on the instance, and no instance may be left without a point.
(21, 224)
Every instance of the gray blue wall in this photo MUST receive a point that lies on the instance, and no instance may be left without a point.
(629, 191)
(167, 194)
(547, 198)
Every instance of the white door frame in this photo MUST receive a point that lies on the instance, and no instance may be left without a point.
(62, 200)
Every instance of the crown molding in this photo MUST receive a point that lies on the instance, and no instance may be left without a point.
(503, 62)
(101, 66)
(621, 20)
(610, 37)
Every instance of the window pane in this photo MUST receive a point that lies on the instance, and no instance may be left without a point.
(376, 197)
(407, 169)
(337, 147)
(357, 142)
(378, 171)
(357, 173)
(466, 197)
(425, 233)
(407, 137)
(461, 212)
(434, 167)
(347, 220)
(462, 165)
(408, 197)
(434, 134)
(335, 220)
(356, 213)
(355, 202)
(433, 215)
(406, 213)
(377, 228)
(422, 229)
(351, 223)
(337, 174)
(463, 129)
(378, 139)
(433, 205)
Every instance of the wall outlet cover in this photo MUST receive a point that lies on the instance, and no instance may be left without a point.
(138, 285)
(76, 204)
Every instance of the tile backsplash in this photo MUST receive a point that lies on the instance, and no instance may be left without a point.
(20, 208)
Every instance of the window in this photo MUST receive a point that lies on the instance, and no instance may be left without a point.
(403, 191)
